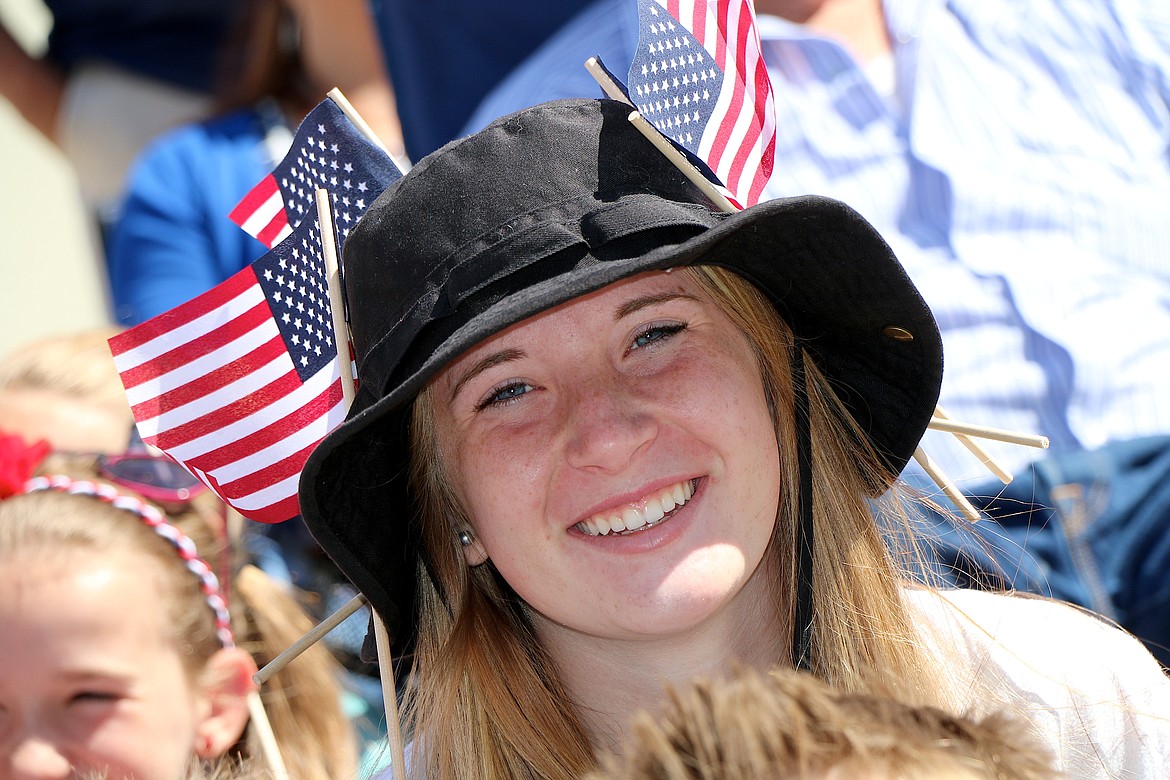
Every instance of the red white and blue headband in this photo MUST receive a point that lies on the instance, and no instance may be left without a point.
(154, 519)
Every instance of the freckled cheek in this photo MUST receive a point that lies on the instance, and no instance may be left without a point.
(729, 386)
(506, 482)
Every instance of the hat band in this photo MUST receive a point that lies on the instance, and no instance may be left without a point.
(538, 235)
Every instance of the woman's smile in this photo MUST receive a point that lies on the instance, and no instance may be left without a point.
(640, 515)
(589, 458)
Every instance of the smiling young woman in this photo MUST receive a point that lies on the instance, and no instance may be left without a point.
(606, 438)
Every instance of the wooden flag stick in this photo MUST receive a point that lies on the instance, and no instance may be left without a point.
(682, 163)
(268, 745)
(646, 128)
(602, 76)
(385, 666)
(341, 339)
(336, 299)
(389, 697)
(948, 487)
(315, 635)
(998, 434)
(976, 449)
(361, 124)
(345, 366)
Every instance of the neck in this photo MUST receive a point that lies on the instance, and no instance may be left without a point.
(609, 680)
(859, 25)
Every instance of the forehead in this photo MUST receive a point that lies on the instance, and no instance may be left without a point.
(72, 599)
(68, 423)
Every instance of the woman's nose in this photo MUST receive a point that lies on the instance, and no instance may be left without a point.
(608, 426)
(33, 757)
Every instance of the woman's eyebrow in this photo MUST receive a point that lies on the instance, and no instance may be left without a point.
(494, 359)
(628, 308)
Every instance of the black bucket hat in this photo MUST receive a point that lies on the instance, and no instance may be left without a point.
(543, 206)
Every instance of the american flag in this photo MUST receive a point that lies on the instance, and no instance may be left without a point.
(698, 76)
(328, 152)
(241, 383)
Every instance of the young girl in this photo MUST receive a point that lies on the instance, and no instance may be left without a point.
(606, 438)
(120, 657)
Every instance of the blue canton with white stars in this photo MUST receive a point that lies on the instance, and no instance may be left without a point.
(329, 153)
(673, 80)
(292, 276)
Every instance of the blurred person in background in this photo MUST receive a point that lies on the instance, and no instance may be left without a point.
(63, 412)
(173, 239)
(444, 56)
(132, 622)
(65, 390)
(115, 74)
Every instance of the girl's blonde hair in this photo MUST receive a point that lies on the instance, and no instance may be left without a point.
(792, 725)
(488, 701)
(74, 365)
(303, 700)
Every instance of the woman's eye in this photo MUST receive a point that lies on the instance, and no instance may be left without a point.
(504, 394)
(93, 697)
(657, 333)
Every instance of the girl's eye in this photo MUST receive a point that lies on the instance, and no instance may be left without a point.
(93, 697)
(657, 333)
(503, 395)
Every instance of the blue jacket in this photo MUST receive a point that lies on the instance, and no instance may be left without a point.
(173, 239)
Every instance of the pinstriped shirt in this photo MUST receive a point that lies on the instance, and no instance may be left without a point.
(1016, 156)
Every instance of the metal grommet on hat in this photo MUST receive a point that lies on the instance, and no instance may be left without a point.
(543, 206)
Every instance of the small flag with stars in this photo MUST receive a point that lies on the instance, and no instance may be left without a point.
(328, 152)
(241, 383)
(698, 76)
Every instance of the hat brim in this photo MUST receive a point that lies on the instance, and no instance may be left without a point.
(814, 258)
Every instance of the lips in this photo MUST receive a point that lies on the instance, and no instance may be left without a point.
(644, 514)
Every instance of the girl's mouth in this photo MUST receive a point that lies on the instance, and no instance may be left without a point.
(649, 512)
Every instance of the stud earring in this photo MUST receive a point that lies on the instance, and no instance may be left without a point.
(464, 538)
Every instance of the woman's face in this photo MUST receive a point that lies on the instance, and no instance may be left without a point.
(90, 681)
(569, 436)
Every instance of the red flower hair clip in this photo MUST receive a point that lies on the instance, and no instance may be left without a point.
(18, 461)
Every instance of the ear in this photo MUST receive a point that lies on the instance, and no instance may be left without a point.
(474, 552)
(224, 685)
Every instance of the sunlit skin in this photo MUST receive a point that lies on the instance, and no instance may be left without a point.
(69, 424)
(589, 409)
(90, 679)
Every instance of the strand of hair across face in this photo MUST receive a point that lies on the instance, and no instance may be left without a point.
(154, 519)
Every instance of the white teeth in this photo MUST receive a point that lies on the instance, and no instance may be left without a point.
(632, 518)
(656, 510)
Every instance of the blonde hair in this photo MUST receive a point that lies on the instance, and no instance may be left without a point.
(75, 365)
(66, 389)
(303, 700)
(488, 701)
(791, 724)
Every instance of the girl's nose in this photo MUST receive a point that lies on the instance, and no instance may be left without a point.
(608, 426)
(34, 757)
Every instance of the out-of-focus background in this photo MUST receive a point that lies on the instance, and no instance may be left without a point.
(52, 280)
